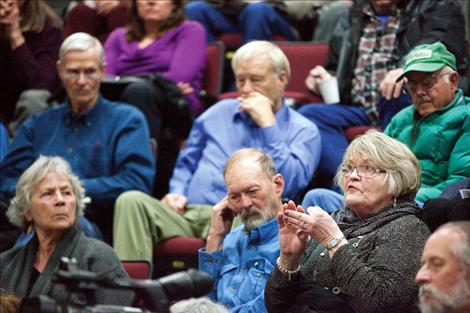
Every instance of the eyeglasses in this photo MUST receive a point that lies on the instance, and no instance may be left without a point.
(363, 170)
(411, 86)
(74, 74)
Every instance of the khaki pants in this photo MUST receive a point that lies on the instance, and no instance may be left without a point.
(140, 221)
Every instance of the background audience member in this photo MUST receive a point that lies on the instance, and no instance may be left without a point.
(440, 114)
(49, 197)
(356, 260)
(444, 277)
(197, 305)
(255, 21)
(437, 126)
(159, 41)
(367, 50)
(241, 259)
(96, 17)
(106, 143)
(30, 36)
(259, 118)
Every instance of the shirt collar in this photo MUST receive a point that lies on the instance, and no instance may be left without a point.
(263, 232)
(86, 117)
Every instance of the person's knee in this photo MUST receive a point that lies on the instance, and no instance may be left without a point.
(258, 10)
(196, 8)
(129, 199)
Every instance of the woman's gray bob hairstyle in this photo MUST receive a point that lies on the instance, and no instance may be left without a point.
(21, 203)
(403, 171)
(263, 49)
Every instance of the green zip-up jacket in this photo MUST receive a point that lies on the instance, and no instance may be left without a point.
(440, 141)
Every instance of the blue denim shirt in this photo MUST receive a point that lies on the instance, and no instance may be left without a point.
(293, 143)
(108, 147)
(241, 268)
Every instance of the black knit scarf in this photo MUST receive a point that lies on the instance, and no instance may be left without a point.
(352, 225)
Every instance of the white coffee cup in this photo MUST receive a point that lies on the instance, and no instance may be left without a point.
(329, 90)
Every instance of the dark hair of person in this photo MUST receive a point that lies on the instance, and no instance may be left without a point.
(136, 27)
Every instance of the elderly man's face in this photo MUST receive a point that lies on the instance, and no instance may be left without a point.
(252, 194)
(257, 74)
(444, 282)
(81, 74)
(53, 204)
(431, 91)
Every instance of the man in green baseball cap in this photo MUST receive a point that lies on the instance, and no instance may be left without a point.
(437, 126)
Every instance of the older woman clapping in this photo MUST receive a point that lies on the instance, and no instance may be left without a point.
(50, 199)
(363, 257)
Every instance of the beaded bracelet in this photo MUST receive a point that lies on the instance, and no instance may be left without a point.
(290, 274)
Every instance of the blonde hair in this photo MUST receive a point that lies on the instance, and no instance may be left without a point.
(403, 171)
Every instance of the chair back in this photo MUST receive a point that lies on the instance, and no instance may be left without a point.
(138, 269)
(213, 74)
(303, 56)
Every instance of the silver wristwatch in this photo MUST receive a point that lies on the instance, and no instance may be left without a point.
(333, 242)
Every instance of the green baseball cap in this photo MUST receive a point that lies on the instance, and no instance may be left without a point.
(428, 58)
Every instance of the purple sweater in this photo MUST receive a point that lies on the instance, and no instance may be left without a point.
(179, 55)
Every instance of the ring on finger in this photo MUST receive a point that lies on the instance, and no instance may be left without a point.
(302, 224)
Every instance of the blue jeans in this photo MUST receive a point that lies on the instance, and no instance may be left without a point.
(326, 199)
(257, 21)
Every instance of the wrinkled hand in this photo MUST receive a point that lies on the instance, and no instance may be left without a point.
(175, 201)
(185, 88)
(103, 7)
(318, 224)
(259, 107)
(388, 88)
(292, 240)
(317, 74)
(221, 224)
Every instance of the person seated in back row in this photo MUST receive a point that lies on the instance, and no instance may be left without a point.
(106, 143)
(30, 37)
(436, 127)
(160, 41)
(259, 118)
(367, 51)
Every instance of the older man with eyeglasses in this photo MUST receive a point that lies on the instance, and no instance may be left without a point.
(436, 128)
(106, 143)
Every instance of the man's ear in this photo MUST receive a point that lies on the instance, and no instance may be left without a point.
(278, 181)
(284, 79)
(454, 81)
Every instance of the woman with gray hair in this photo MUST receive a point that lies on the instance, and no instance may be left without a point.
(49, 198)
(364, 256)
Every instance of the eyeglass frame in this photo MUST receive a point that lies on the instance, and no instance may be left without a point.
(74, 74)
(358, 170)
(424, 86)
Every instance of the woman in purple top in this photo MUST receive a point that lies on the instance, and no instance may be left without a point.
(158, 39)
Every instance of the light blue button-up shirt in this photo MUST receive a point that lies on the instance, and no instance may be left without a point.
(293, 143)
(240, 269)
